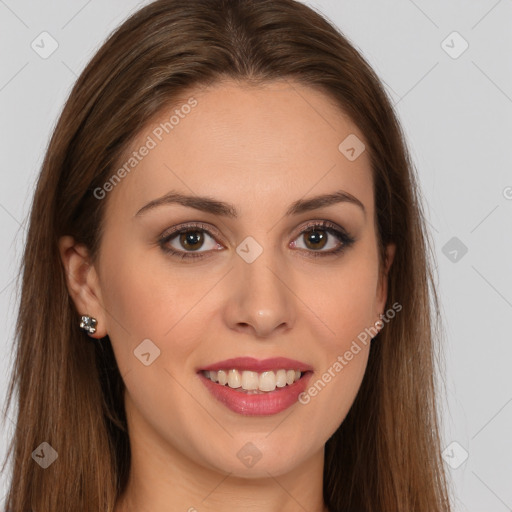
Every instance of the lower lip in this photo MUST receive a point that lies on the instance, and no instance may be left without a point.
(264, 404)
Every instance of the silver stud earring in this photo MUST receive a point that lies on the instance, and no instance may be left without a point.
(88, 324)
(380, 323)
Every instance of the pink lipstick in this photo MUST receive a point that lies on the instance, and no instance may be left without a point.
(253, 387)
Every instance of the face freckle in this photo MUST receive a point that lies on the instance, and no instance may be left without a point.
(257, 290)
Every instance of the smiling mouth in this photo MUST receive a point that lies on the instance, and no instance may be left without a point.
(250, 382)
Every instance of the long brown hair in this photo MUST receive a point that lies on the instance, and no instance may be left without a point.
(385, 456)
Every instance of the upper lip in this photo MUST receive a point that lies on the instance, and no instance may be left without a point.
(258, 365)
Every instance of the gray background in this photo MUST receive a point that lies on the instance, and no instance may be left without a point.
(456, 111)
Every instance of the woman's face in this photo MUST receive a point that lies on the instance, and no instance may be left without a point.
(249, 279)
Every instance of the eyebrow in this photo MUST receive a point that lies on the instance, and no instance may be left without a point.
(215, 207)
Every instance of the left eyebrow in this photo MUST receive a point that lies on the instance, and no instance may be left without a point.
(215, 207)
(306, 205)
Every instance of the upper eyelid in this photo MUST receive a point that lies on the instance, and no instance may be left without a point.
(200, 226)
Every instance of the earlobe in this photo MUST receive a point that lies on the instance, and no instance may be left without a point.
(383, 279)
(390, 256)
(82, 283)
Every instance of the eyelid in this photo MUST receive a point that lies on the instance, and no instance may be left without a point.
(189, 226)
(320, 223)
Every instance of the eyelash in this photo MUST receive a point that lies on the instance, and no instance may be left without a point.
(327, 226)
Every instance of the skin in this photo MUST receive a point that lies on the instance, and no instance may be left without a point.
(259, 148)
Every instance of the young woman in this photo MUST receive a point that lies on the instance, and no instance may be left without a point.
(226, 287)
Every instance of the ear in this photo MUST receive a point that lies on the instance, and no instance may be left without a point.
(382, 289)
(82, 282)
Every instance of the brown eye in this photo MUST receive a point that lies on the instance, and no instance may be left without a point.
(315, 238)
(191, 240)
(322, 235)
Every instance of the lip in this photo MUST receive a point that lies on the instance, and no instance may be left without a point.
(258, 365)
(265, 404)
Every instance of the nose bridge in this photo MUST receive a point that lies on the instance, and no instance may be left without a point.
(260, 299)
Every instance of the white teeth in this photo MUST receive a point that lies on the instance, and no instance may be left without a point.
(250, 380)
(222, 376)
(253, 381)
(267, 381)
(234, 379)
(281, 378)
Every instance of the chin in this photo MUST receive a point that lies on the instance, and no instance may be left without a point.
(259, 459)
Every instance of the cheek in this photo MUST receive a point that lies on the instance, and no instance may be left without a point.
(331, 393)
(345, 304)
(147, 301)
(334, 387)
(344, 298)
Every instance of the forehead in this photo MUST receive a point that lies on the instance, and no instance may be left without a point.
(250, 145)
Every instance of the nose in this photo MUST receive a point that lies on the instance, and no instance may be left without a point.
(260, 302)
